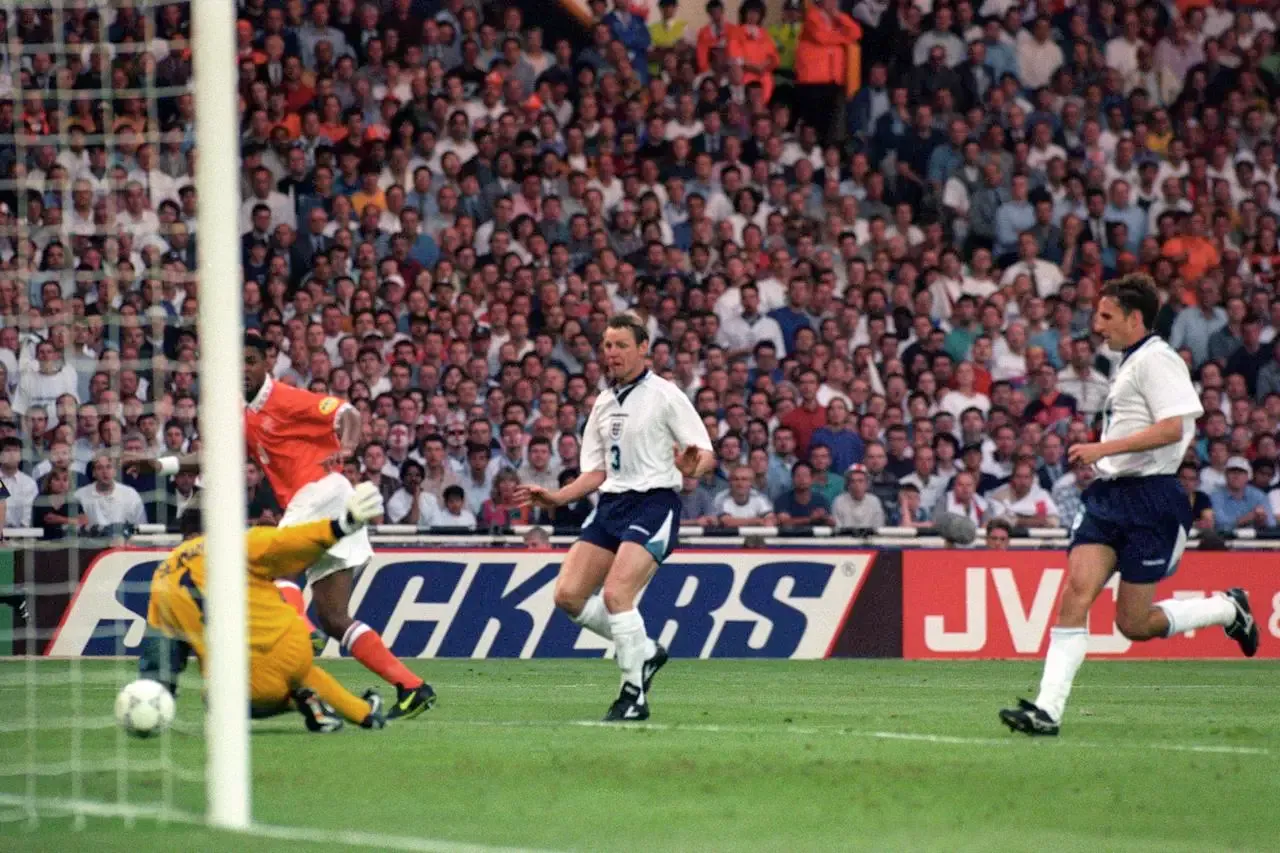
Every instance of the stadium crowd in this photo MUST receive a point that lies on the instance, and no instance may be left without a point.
(880, 304)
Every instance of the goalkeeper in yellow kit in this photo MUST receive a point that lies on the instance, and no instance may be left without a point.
(282, 672)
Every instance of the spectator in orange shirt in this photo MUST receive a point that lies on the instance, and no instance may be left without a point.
(279, 114)
(1193, 252)
(751, 46)
(332, 124)
(713, 36)
(821, 58)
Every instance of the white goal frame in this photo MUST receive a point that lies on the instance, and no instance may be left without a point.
(221, 422)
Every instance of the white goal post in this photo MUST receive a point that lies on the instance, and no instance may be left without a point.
(221, 423)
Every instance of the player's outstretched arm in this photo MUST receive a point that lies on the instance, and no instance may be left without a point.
(165, 465)
(285, 551)
(349, 428)
(585, 483)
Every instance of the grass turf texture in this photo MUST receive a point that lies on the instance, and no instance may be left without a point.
(742, 755)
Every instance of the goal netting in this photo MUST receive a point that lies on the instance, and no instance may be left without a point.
(99, 359)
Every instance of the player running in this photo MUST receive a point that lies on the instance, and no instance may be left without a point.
(1134, 518)
(296, 437)
(282, 674)
(627, 453)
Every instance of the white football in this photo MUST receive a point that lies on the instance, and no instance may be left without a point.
(144, 708)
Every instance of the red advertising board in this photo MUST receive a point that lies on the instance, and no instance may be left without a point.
(1001, 604)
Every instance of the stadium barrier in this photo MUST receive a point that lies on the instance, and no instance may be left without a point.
(795, 602)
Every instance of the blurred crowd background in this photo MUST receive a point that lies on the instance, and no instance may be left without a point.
(866, 240)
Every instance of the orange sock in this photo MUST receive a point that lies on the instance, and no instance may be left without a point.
(292, 596)
(366, 646)
(329, 690)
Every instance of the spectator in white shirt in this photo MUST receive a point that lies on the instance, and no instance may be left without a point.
(1022, 501)
(739, 334)
(963, 499)
(43, 386)
(1043, 149)
(1010, 360)
(137, 218)
(105, 502)
(964, 396)
(477, 477)
(1122, 51)
(856, 506)
(455, 512)
(156, 185)
(742, 506)
(1046, 277)
(457, 140)
(1080, 380)
(1038, 56)
(77, 217)
(21, 488)
(411, 503)
(282, 210)
(927, 481)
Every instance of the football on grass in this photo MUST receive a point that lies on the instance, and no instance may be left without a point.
(144, 708)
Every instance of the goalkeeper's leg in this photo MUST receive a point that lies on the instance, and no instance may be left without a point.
(366, 712)
(288, 672)
(275, 682)
(162, 659)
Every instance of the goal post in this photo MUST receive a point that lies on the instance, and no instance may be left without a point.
(221, 424)
(128, 285)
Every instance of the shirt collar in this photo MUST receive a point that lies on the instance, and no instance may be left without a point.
(260, 399)
(1131, 350)
(623, 389)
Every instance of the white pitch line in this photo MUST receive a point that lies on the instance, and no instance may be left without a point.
(325, 837)
(376, 840)
(836, 730)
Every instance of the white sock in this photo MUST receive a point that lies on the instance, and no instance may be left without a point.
(595, 618)
(629, 639)
(1188, 614)
(1067, 647)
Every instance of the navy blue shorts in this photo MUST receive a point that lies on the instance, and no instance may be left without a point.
(649, 518)
(1145, 520)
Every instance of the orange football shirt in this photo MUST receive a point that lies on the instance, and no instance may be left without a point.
(290, 434)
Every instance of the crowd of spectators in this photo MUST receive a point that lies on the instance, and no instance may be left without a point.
(881, 314)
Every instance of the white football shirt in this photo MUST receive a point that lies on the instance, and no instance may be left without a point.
(631, 432)
(1151, 384)
(22, 492)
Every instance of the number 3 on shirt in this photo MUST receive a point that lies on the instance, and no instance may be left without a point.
(615, 458)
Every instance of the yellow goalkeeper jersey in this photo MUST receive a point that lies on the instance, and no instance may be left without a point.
(177, 588)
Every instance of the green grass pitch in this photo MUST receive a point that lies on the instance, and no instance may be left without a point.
(740, 755)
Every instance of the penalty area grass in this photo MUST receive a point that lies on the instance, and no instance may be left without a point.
(739, 755)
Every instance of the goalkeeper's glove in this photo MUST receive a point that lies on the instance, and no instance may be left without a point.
(364, 505)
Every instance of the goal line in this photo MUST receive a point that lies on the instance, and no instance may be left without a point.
(17, 809)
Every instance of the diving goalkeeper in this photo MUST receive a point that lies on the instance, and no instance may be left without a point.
(282, 672)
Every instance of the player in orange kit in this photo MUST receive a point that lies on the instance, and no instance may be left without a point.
(282, 673)
(297, 437)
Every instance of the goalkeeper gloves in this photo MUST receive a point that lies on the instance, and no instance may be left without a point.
(364, 505)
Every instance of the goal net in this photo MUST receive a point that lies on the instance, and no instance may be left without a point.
(100, 332)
